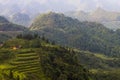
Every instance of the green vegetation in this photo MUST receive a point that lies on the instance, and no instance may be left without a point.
(66, 31)
(100, 66)
(106, 75)
(31, 56)
(21, 59)
(97, 46)
(97, 61)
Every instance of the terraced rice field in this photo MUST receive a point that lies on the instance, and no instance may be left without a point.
(26, 63)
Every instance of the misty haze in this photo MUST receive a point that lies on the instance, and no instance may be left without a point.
(59, 40)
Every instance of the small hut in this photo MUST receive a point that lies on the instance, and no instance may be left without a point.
(16, 47)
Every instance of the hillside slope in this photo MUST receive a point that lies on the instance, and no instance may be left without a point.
(89, 36)
(39, 61)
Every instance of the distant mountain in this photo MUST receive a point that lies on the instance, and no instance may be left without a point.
(80, 15)
(5, 25)
(20, 19)
(89, 36)
(107, 18)
(102, 15)
(18, 14)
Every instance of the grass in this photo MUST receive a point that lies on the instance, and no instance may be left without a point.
(101, 56)
(104, 57)
(6, 66)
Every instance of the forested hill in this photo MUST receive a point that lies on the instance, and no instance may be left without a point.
(53, 20)
(89, 36)
(27, 59)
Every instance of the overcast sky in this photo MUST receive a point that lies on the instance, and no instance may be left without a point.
(66, 5)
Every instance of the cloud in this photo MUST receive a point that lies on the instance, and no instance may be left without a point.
(68, 5)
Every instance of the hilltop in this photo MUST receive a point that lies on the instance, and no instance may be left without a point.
(52, 20)
(70, 32)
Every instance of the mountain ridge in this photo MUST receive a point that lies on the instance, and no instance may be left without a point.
(98, 15)
(66, 31)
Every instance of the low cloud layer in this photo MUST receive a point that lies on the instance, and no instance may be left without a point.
(64, 5)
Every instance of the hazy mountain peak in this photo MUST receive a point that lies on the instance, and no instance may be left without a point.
(99, 10)
(20, 19)
(50, 12)
(52, 19)
(81, 12)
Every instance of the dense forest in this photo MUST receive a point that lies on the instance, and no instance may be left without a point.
(70, 32)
